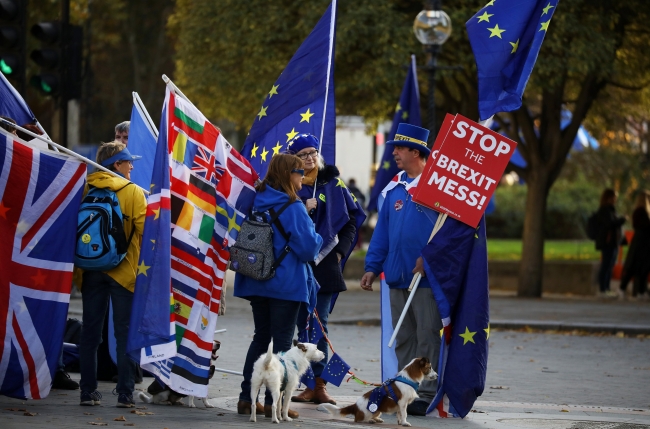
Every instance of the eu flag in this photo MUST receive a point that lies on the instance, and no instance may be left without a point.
(407, 111)
(299, 100)
(336, 370)
(13, 105)
(506, 36)
(455, 262)
(151, 327)
(142, 141)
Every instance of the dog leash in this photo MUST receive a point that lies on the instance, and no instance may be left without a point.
(353, 376)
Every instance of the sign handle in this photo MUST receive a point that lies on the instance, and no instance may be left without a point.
(415, 282)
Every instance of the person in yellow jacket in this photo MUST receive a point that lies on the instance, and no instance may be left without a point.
(117, 284)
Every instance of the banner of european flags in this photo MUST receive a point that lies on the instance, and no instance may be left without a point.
(506, 36)
(407, 111)
(296, 102)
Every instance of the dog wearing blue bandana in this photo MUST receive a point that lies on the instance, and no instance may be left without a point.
(393, 396)
(281, 373)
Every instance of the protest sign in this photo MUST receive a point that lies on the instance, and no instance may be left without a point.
(463, 169)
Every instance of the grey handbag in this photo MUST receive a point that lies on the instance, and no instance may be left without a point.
(252, 255)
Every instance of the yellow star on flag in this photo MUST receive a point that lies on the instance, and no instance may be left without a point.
(157, 213)
(545, 25)
(485, 17)
(340, 183)
(276, 148)
(491, 3)
(306, 116)
(496, 31)
(292, 134)
(264, 152)
(547, 8)
(487, 331)
(398, 107)
(405, 115)
(467, 336)
(441, 331)
(262, 113)
(274, 91)
(386, 165)
(514, 46)
(142, 268)
(154, 244)
(254, 150)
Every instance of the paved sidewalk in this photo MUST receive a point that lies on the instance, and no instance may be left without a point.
(555, 378)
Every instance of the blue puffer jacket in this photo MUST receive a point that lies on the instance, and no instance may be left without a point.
(293, 279)
(402, 231)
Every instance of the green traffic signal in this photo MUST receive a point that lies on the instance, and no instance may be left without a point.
(5, 68)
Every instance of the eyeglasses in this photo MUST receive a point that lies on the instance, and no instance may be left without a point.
(300, 171)
(303, 156)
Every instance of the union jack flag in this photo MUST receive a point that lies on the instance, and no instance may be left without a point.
(39, 200)
(207, 166)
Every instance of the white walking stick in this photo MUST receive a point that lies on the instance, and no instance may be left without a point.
(415, 282)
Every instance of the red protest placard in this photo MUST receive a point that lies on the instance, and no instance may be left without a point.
(464, 170)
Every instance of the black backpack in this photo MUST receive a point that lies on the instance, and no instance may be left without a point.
(592, 226)
(252, 255)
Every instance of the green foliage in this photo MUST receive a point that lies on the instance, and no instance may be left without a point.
(569, 204)
(564, 250)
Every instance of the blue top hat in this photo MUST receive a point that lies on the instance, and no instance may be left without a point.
(411, 136)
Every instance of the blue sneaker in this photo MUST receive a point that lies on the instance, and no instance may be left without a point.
(125, 401)
(93, 398)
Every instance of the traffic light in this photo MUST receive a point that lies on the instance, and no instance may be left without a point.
(60, 59)
(12, 39)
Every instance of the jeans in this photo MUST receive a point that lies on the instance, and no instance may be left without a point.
(323, 303)
(274, 319)
(97, 288)
(608, 259)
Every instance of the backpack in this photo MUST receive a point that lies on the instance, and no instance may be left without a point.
(592, 226)
(101, 241)
(252, 255)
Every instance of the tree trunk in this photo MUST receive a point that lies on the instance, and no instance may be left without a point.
(532, 255)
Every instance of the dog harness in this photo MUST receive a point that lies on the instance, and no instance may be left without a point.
(285, 378)
(378, 393)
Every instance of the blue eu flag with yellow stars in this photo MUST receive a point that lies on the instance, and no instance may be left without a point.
(407, 111)
(455, 262)
(298, 101)
(506, 36)
(335, 370)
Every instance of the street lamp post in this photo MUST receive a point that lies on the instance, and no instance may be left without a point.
(432, 28)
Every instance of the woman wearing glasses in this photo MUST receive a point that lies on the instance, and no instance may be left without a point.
(337, 216)
(276, 302)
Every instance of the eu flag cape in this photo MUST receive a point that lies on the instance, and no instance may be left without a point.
(506, 36)
(407, 111)
(455, 262)
(299, 100)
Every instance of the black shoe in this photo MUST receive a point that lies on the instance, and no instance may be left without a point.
(417, 408)
(62, 381)
(93, 398)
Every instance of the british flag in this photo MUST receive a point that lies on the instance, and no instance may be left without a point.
(39, 200)
(207, 166)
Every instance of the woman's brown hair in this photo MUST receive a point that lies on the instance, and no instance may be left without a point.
(278, 176)
(607, 197)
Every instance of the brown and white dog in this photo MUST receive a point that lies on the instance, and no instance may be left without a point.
(417, 370)
(280, 377)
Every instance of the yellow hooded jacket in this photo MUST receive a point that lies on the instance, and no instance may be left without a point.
(134, 208)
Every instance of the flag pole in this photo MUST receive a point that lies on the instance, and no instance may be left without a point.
(138, 102)
(327, 83)
(177, 90)
(415, 282)
(66, 150)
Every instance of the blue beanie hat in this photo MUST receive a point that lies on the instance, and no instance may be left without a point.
(300, 142)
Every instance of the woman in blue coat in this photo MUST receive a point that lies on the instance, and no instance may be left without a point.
(276, 302)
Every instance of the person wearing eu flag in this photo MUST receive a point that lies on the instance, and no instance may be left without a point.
(337, 216)
(401, 233)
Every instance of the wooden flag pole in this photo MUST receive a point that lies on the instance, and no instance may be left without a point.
(415, 282)
(67, 151)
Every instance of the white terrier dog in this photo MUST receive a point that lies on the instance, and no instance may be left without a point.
(281, 373)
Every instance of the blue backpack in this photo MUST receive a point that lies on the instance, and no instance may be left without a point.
(101, 241)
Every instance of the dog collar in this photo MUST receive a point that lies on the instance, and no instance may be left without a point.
(285, 378)
(411, 383)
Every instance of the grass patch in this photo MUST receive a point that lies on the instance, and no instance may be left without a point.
(510, 250)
